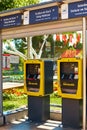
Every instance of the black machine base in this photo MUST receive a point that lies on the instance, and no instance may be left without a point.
(38, 108)
(71, 113)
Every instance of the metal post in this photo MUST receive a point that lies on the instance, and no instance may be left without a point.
(84, 73)
(30, 49)
(28, 46)
(1, 104)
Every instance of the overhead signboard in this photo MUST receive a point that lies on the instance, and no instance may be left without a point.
(43, 15)
(11, 21)
(74, 10)
(77, 9)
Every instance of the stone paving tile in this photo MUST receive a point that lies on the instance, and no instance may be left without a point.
(5, 127)
(26, 125)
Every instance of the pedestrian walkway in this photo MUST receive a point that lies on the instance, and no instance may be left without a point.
(27, 125)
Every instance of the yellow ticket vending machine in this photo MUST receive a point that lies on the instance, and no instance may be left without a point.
(70, 78)
(38, 84)
(70, 89)
(38, 77)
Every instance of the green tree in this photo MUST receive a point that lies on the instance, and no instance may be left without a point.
(6, 4)
(9, 4)
(20, 3)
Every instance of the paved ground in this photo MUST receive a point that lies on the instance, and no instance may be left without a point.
(26, 125)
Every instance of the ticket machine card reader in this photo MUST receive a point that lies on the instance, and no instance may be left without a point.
(38, 77)
(70, 78)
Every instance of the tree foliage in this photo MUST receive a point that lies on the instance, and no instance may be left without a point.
(9, 4)
(20, 3)
(6, 4)
(19, 44)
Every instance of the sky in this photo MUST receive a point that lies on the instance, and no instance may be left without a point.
(45, 0)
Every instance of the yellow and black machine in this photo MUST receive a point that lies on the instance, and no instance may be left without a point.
(70, 89)
(38, 84)
(70, 78)
(38, 77)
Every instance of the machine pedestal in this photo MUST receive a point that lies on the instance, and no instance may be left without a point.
(39, 108)
(71, 116)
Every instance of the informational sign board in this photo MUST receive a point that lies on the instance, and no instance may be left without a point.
(77, 9)
(14, 59)
(74, 10)
(44, 15)
(30, 17)
(10, 21)
(6, 61)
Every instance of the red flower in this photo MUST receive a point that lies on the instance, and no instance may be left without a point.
(70, 37)
(58, 37)
(78, 37)
(64, 38)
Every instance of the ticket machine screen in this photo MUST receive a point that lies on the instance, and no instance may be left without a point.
(33, 77)
(69, 76)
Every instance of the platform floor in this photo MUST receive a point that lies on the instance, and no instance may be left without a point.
(27, 125)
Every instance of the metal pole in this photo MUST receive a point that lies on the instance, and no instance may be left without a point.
(28, 46)
(84, 73)
(1, 104)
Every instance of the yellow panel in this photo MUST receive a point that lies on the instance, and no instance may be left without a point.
(41, 89)
(70, 83)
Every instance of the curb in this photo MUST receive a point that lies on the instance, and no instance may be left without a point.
(15, 115)
(22, 113)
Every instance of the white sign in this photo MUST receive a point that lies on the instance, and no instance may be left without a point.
(14, 59)
(64, 11)
(6, 61)
(26, 18)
